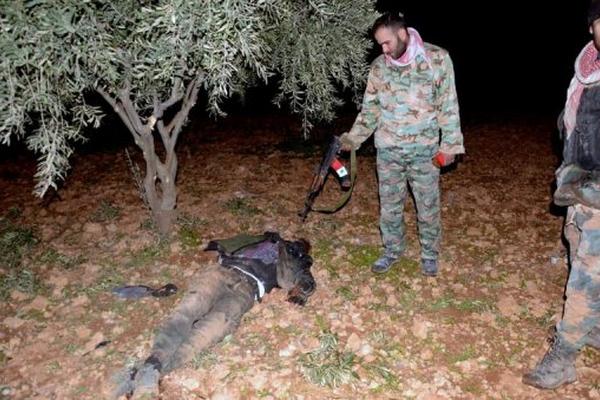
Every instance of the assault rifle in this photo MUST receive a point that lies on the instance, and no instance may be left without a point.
(330, 161)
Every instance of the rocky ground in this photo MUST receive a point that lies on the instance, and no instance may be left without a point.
(468, 334)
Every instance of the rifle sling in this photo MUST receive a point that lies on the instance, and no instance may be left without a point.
(347, 194)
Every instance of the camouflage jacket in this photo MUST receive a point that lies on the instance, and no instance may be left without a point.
(408, 107)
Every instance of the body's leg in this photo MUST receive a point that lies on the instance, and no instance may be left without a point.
(236, 298)
(198, 301)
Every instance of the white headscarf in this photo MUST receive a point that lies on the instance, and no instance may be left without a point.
(414, 48)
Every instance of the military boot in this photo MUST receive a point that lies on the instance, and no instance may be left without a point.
(384, 263)
(593, 338)
(429, 267)
(146, 379)
(557, 368)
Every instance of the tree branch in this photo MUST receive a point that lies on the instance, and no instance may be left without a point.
(129, 108)
(189, 101)
(121, 113)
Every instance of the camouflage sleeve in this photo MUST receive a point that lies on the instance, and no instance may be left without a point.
(368, 118)
(447, 113)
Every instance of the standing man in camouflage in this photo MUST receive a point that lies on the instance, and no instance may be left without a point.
(411, 104)
(578, 187)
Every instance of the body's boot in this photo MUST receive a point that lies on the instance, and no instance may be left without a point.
(557, 368)
(146, 379)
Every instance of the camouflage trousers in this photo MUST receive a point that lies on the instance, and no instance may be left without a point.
(582, 305)
(396, 173)
(211, 309)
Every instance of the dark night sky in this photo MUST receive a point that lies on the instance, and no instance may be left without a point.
(509, 56)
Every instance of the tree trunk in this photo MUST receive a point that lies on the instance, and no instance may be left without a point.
(160, 191)
(165, 220)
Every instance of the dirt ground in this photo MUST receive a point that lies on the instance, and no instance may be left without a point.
(468, 334)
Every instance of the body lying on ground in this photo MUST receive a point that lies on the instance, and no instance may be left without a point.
(215, 304)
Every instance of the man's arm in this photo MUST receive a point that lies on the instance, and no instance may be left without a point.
(368, 118)
(447, 114)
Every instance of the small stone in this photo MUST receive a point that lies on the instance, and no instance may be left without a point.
(39, 303)
(18, 296)
(13, 322)
(190, 383)
(92, 227)
(288, 351)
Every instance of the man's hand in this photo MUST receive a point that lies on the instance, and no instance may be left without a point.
(443, 159)
(345, 145)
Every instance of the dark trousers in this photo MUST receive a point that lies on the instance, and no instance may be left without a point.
(210, 310)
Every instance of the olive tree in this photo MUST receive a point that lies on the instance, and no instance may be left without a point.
(150, 60)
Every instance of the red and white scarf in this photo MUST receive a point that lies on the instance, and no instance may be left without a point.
(413, 49)
(587, 72)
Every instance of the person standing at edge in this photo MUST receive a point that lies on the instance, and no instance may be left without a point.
(409, 100)
(578, 187)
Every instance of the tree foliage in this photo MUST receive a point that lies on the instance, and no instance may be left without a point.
(147, 56)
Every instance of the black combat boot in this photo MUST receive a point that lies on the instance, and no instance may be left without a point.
(557, 368)
(384, 263)
(146, 379)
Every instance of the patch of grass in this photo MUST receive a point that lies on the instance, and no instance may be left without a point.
(544, 321)
(109, 280)
(258, 343)
(14, 213)
(468, 305)
(475, 388)
(15, 240)
(71, 348)
(24, 281)
(379, 307)
(205, 359)
(327, 223)
(241, 207)
(53, 367)
(148, 225)
(382, 371)
(441, 303)
(235, 371)
(321, 323)
(190, 229)
(494, 282)
(261, 394)
(407, 298)
(35, 315)
(346, 293)
(327, 365)
(79, 390)
(467, 353)
(322, 253)
(363, 255)
(516, 353)
(473, 305)
(53, 257)
(105, 212)
(118, 307)
(147, 255)
(378, 337)
(502, 321)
